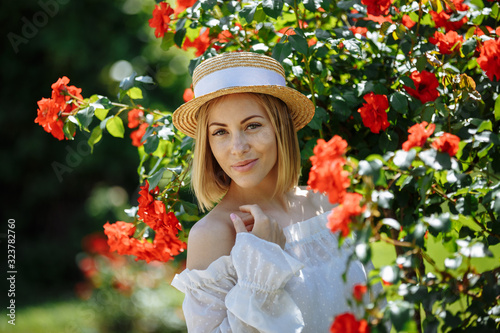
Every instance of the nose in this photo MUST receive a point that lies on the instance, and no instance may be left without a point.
(240, 144)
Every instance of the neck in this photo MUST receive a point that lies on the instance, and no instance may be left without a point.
(262, 195)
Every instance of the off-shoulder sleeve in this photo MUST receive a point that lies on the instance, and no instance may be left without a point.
(243, 292)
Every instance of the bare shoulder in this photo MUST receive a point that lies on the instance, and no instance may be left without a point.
(317, 200)
(209, 239)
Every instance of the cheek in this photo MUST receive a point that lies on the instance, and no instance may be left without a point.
(218, 150)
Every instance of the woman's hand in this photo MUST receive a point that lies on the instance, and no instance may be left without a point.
(263, 227)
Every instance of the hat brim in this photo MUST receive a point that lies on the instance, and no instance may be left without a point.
(300, 107)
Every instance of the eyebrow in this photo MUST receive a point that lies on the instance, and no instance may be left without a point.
(242, 122)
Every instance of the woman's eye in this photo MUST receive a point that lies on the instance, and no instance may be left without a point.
(219, 132)
(253, 125)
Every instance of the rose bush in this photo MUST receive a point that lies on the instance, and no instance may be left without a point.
(406, 128)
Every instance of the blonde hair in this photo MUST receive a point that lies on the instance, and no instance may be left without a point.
(208, 180)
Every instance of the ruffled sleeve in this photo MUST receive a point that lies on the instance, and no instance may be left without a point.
(243, 292)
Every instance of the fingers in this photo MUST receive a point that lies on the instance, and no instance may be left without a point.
(239, 226)
(255, 211)
(264, 226)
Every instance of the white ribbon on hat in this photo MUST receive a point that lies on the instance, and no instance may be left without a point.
(237, 77)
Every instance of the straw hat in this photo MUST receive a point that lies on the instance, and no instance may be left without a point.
(240, 72)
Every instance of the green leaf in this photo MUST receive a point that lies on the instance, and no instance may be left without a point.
(128, 82)
(388, 141)
(371, 168)
(399, 102)
(179, 36)
(189, 207)
(85, 116)
(394, 224)
(69, 129)
(497, 108)
(193, 63)
(248, 12)
(467, 205)
(155, 178)
(453, 263)
(468, 46)
(101, 113)
(260, 15)
(487, 136)
(403, 159)
(390, 274)
(320, 117)
(281, 51)
(208, 4)
(407, 81)
(145, 79)
(435, 159)
(383, 198)
(346, 5)
(495, 10)
(135, 93)
(441, 223)
(322, 34)
(486, 125)
(400, 314)
(363, 252)
(95, 137)
(421, 63)
(273, 8)
(353, 46)
(167, 42)
(474, 250)
(299, 43)
(114, 125)
(151, 144)
(312, 5)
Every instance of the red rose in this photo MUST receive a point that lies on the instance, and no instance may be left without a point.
(447, 42)
(379, 19)
(96, 243)
(359, 30)
(377, 7)
(134, 117)
(448, 143)
(407, 21)
(358, 291)
(182, 5)
(443, 18)
(373, 112)
(153, 212)
(419, 133)
(341, 216)
(161, 19)
(164, 246)
(347, 323)
(489, 59)
(48, 117)
(201, 43)
(327, 173)
(137, 135)
(426, 85)
(62, 94)
(188, 95)
(119, 234)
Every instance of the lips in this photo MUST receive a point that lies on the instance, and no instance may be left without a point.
(244, 165)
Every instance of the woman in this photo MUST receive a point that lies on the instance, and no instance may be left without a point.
(262, 260)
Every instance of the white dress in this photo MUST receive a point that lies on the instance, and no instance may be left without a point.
(261, 288)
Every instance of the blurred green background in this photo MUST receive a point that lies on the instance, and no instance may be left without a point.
(56, 192)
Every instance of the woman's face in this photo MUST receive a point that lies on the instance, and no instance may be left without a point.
(242, 140)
